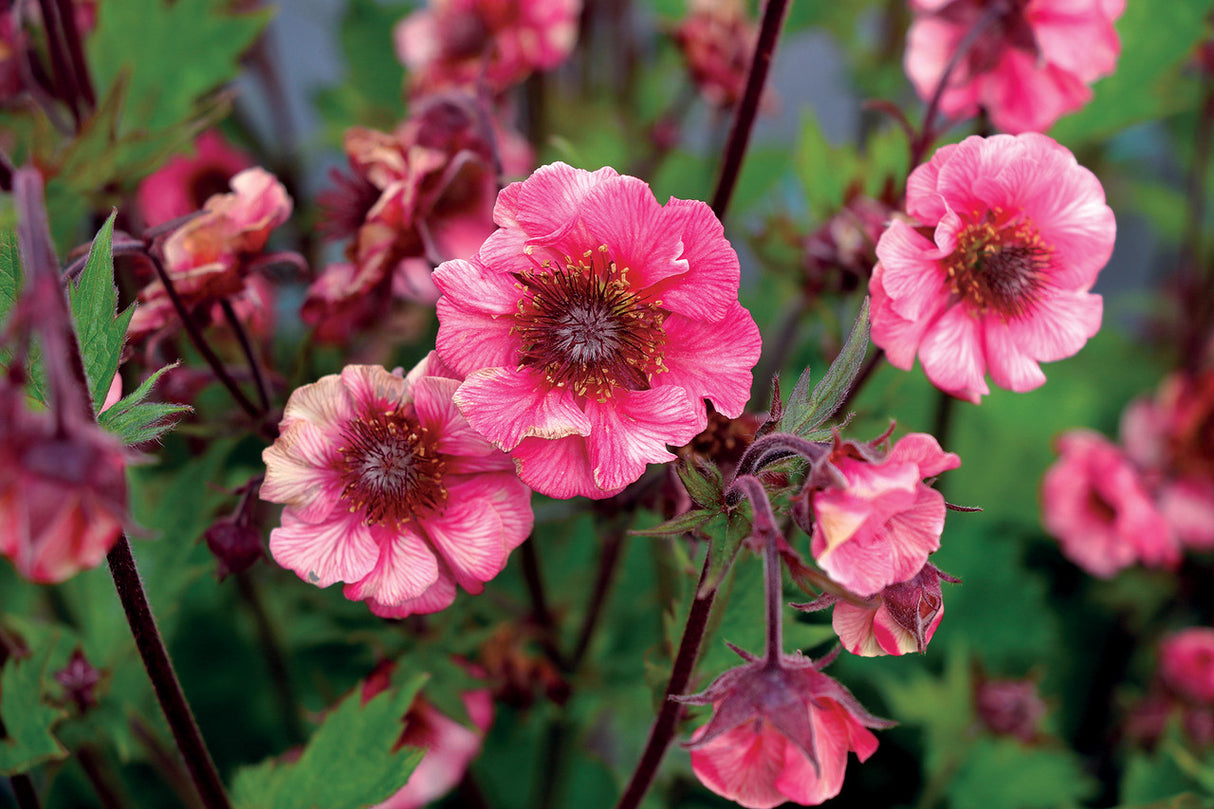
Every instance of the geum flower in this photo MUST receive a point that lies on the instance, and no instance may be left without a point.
(591, 326)
(1019, 232)
(185, 183)
(1094, 501)
(1032, 62)
(872, 519)
(389, 489)
(780, 731)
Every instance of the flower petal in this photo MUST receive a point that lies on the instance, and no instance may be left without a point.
(406, 568)
(507, 406)
(633, 429)
(339, 549)
(712, 360)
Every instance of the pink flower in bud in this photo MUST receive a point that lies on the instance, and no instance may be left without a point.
(1186, 664)
(839, 256)
(62, 490)
(389, 489)
(184, 184)
(1032, 62)
(899, 620)
(1010, 708)
(461, 42)
(780, 731)
(1020, 232)
(1093, 501)
(717, 38)
(79, 680)
(591, 327)
(873, 520)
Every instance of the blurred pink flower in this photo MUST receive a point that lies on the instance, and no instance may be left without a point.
(780, 731)
(1010, 708)
(63, 495)
(592, 325)
(457, 42)
(388, 489)
(184, 184)
(873, 520)
(717, 39)
(900, 620)
(1093, 501)
(1033, 61)
(1020, 232)
(208, 257)
(1171, 439)
(1186, 663)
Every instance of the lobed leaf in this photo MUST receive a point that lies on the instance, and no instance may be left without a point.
(805, 411)
(136, 421)
(94, 300)
(27, 718)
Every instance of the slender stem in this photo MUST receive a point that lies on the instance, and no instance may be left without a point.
(744, 119)
(169, 766)
(276, 662)
(1198, 290)
(664, 726)
(200, 342)
(928, 134)
(765, 527)
(23, 791)
(65, 77)
(609, 563)
(90, 762)
(164, 680)
(75, 53)
(539, 603)
(246, 346)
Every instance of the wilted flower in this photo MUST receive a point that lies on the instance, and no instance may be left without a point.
(1020, 230)
(388, 489)
(184, 184)
(717, 38)
(780, 731)
(592, 325)
(873, 520)
(1032, 62)
(1094, 502)
(459, 42)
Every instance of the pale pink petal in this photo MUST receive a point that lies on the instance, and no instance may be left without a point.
(951, 354)
(1188, 505)
(854, 626)
(372, 388)
(924, 451)
(712, 359)
(464, 449)
(743, 765)
(1009, 367)
(299, 473)
(798, 780)
(923, 199)
(323, 403)
(559, 468)
(438, 597)
(339, 549)
(909, 272)
(710, 287)
(633, 430)
(893, 638)
(406, 568)
(507, 406)
(1058, 326)
(484, 518)
(896, 335)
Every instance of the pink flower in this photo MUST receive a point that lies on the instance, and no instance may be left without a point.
(873, 520)
(1033, 62)
(1094, 502)
(184, 184)
(717, 38)
(456, 42)
(1186, 663)
(1021, 230)
(1010, 708)
(62, 490)
(902, 619)
(388, 489)
(592, 325)
(779, 732)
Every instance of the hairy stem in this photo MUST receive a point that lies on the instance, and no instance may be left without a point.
(164, 680)
(744, 119)
(664, 726)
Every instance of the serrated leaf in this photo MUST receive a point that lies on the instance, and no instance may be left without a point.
(703, 483)
(27, 718)
(1006, 774)
(348, 762)
(726, 533)
(688, 521)
(10, 272)
(136, 421)
(824, 170)
(94, 299)
(805, 411)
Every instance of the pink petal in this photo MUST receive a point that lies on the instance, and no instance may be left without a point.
(633, 428)
(910, 273)
(488, 290)
(440, 596)
(1009, 367)
(406, 568)
(507, 406)
(558, 468)
(743, 766)
(546, 204)
(798, 780)
(372, 388)
(896, 335)
(1058, 326)
(298, 472)
(709, 289)
(951, 353)
(854, 626)
(464, 449)
(712, 359)
(468, 339)
(485, 517)
(924, 451)
(340, 549)
(323, 403)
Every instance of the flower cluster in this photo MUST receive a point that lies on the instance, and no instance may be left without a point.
(592, 325)
(717, 39)
(1019, 232)
(1031, 62)
(184, 184)
(1183, 687)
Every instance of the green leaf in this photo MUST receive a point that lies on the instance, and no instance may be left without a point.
(348, 762)
(136, 421)
(726, 533)
(94, 299)
(806, 411)
(688, 521)
(825, 171)
(27, 718)
(10, 272)
(1006, 774)
(703, 482)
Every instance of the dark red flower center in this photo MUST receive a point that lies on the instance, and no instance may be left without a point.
(999, 264)
(390, 468)
(585, 327)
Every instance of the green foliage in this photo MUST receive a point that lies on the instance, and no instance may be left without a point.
(27, 716)
(1007, 774)
(726, 533)
(348, 762)
(806, 411)
(10, 272)
(830, 174)
(94, 299)
(138, 422)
